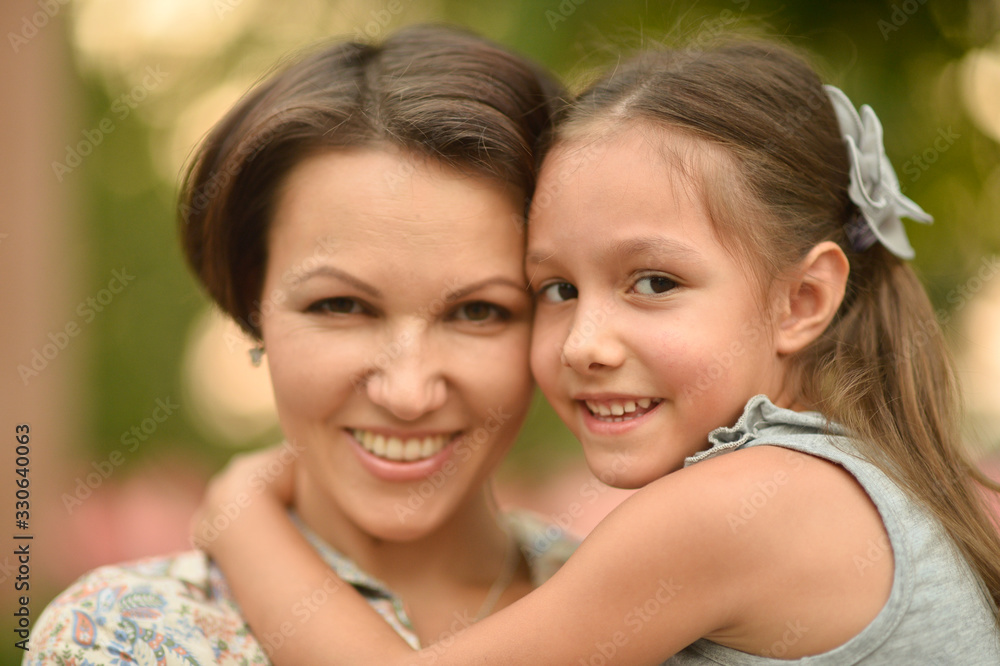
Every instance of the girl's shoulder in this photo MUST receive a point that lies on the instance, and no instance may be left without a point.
(827, 557)
(786, 531)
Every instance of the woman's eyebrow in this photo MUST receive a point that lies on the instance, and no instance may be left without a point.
(452, 294)
(326, 270)
(462, 292)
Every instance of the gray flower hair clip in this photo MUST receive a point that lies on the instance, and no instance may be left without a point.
(874, 187)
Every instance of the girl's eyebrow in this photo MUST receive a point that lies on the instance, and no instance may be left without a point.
(631, 246)
(654, 245)
(538, 256)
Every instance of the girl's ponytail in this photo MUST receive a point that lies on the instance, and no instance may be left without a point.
(883, 370)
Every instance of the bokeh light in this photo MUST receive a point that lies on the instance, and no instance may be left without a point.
(161, 72)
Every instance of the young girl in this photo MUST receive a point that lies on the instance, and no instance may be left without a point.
(725, 320)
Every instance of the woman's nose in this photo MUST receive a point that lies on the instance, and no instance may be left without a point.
(411, 382)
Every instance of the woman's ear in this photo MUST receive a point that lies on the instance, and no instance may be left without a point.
(811, 296)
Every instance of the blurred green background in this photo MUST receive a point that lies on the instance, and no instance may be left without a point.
(129, 86)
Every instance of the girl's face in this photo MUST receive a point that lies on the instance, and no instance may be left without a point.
(648, 334)
(396, 322)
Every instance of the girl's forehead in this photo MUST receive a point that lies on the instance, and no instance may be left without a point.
(674, 153)
(640, 187)
(635, 169)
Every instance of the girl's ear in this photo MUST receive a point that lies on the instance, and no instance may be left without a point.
(811, 296)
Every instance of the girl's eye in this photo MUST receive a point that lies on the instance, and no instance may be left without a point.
(654, 284)
(340, 305)
(558, 292)
(480, 312)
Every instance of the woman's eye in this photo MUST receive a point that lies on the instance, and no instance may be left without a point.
(339, 305)
(480, 311)
(654, 284)
(558, 292)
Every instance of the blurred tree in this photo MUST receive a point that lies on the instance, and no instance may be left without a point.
(908, 59)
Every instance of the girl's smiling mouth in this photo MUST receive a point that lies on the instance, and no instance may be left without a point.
(613, 410)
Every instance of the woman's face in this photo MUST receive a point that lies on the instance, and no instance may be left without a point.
(396, 321)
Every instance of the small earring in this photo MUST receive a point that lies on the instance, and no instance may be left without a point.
(256, 354)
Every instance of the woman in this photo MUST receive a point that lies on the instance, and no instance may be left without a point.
(360, 214)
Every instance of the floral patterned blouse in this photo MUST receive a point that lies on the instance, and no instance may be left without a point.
(178, 609)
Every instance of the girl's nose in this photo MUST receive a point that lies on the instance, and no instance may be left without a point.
(591, 343)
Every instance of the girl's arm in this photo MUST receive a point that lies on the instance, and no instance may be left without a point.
(284, 589)
(664, 569)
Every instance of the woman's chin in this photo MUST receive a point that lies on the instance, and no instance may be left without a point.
(402, 524)
(396, 520)
(335, 504)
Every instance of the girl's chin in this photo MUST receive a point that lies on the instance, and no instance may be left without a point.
(628, 468)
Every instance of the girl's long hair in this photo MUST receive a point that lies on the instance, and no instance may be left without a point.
(882, 368)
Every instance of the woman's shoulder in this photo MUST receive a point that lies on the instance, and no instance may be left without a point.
(173, 609)
(186, 574)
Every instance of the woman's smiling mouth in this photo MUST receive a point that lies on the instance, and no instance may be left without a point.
(401, 449)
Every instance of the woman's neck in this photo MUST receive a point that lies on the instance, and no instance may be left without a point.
(467, 548)
(462, 569)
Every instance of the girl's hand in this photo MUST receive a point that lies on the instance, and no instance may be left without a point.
(262, 476)
(244, 526)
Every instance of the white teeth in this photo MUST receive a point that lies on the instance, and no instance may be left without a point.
(620, 410)
(378, 447)
(412, 449)
(395, 448)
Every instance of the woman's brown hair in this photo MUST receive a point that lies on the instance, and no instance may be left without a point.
(433, 91)
(882, 367)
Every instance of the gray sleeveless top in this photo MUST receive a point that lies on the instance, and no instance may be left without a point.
(937, 612)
